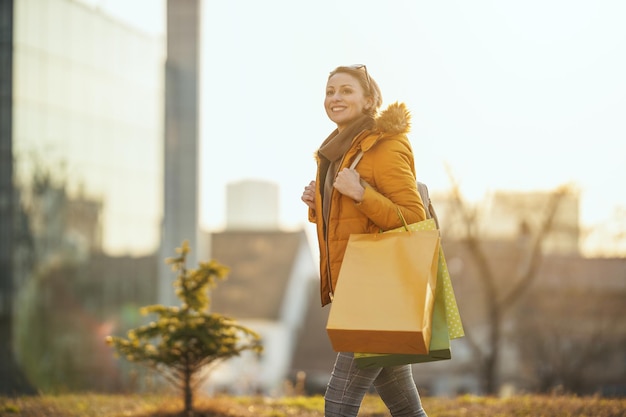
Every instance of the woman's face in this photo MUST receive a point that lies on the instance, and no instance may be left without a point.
(345, 99)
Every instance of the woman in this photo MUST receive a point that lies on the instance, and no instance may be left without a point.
(343, 201)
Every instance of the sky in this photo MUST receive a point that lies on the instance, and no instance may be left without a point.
(509, 95)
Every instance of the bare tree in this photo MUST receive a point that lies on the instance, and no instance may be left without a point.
(500, 299)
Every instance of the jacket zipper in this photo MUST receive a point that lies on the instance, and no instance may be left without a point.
(327, 247)
(330, 279)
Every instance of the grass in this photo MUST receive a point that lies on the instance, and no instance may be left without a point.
(97, 405)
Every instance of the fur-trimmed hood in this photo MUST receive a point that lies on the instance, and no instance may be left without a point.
(394, 120)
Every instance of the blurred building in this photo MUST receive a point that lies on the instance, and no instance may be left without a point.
(513, 214)
(272, 274)
(82, 137)
(88, 111)
(509, 215)
(182, 86)
(252, 204)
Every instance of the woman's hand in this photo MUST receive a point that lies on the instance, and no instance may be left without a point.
(308, 196)
(348, 183)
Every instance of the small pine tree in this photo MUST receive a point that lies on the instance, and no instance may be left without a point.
(185, 339)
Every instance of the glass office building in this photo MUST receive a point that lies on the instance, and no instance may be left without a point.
(87, 144)
(88, 104)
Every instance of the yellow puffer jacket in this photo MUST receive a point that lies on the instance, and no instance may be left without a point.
(388, 168)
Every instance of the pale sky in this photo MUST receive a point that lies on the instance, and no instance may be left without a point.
(511, 95)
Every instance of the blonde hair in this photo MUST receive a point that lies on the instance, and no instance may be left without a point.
(370, 87)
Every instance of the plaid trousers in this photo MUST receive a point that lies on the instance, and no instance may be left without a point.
(348, 385)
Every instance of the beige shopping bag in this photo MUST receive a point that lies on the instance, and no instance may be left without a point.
(385, 293)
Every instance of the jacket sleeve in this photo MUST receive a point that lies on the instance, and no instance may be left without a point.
(393, 186)
(312, 215)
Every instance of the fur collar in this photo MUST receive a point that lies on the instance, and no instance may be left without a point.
(396, 119)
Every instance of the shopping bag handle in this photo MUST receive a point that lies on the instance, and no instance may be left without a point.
(406, 226)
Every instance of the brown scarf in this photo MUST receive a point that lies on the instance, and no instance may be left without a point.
(331, 153)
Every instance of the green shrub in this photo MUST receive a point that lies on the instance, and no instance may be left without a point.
(183, 340)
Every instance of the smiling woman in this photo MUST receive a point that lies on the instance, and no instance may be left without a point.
(343, 201)
(350, 93)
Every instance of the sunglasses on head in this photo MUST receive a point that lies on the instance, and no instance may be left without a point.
(367, 76)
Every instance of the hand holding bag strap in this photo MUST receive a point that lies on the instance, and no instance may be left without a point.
(364, 183)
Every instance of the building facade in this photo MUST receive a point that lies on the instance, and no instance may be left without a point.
(82, 127)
